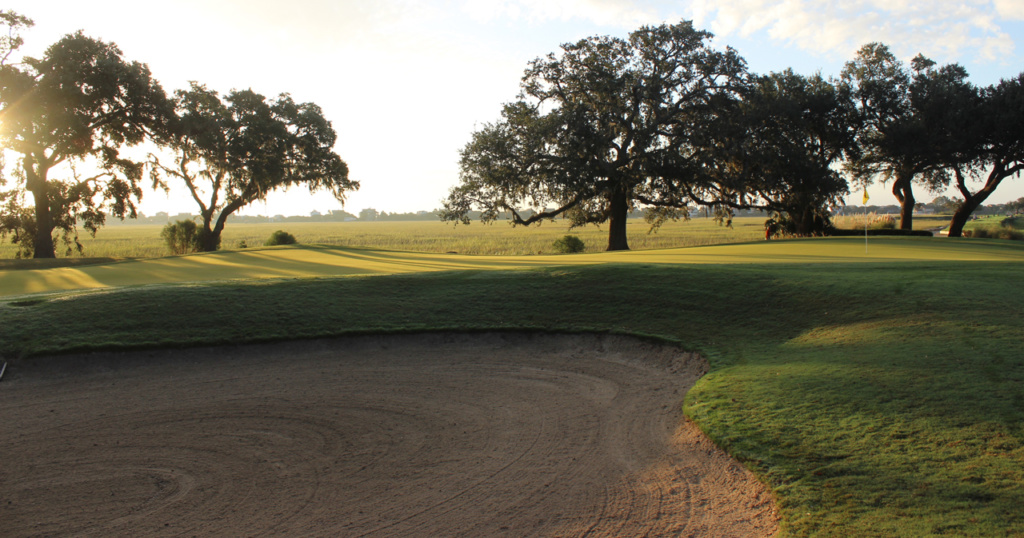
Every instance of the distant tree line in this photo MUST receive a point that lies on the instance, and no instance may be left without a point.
(80, 104)
(662, 122)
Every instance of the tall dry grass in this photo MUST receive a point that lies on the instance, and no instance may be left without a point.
(873, 221)
(143, 241)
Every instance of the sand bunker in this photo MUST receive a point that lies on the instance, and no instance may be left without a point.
(423, 435)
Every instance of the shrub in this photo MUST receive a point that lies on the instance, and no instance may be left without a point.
(994, 233)
(280, 237)
(569, 244)
(182, 237)
(243, 244)
(1009, 233)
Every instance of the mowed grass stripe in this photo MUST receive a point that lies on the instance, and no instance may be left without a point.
(324, 261)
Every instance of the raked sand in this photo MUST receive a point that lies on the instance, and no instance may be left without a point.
(419, 435)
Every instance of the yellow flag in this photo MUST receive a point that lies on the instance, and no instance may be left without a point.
(865, 196)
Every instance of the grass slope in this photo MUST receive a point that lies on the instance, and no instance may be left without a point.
(882, 397)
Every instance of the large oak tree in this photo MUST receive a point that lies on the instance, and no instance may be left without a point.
(234, 151)
(601, 127)
(993, 124)
(900, 141)
(780, 150)
(79, 104)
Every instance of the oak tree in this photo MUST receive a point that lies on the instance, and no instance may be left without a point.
(994, 126)
(230, 152)
(896, 142)
(78, 105)
(602, 127)
(785, 144)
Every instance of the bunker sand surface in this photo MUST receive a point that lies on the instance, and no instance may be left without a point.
(416, 435)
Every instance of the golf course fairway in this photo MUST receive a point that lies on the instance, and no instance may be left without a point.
(318, 262)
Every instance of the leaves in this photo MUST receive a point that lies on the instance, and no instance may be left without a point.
(13, 40)
(235, 150)
(81, 102)
(602, 119)
(795, 131)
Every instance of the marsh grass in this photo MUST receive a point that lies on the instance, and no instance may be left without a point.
(143, 241)
(874, 221)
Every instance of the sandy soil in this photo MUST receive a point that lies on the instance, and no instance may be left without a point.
(423, 435)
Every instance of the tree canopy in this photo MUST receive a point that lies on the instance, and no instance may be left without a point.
(907, 114)
(602, 126)
(787, 139)
(80, 102)
(988, 126)
(234, 151)
(11, 42)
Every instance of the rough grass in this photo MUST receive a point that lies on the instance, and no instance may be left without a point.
(996, 228)
(876, 396)
(992, 221)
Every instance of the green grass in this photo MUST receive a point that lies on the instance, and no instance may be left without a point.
(931, 222)
(317, 262)
(996, 227)
(876, 395)
(995, 221)
(143, 241)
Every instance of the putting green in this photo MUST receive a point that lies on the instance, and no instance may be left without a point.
(321, 261)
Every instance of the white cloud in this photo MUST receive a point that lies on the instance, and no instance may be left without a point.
(618, 13)
(1010, 9)
(943, 29)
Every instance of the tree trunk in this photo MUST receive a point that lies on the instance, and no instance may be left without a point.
(209, 238)
(960, 216)
(973, 200)
(42, 243)
(209, 241)
(42, 246)
(903, 189)
(618, 210)
(802, 221)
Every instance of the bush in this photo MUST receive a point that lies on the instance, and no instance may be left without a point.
(569, 244)
(995, 233)
(182, 237)
(280, 237)
(1007, 233)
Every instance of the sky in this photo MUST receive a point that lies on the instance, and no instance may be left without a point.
(406, 82)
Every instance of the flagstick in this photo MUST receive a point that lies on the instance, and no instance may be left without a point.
(865, 220)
